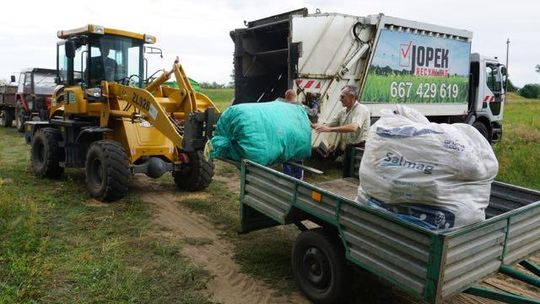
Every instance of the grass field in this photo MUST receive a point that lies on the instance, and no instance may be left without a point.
(221, 97)
(519, 148)
(57, 246)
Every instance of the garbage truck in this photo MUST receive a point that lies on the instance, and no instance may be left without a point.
(391, 60)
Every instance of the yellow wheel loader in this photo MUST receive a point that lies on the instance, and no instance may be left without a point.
(110, 119)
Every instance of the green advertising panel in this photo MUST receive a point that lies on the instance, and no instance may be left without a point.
(414, 68)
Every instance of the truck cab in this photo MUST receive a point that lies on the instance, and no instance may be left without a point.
(488, 96)
(33, 98)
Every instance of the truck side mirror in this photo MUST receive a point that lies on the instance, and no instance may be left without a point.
(13, 78)
(70, 49)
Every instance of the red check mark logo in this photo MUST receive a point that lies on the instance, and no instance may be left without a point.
(405, 53)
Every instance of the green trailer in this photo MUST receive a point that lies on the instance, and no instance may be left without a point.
(426, 264)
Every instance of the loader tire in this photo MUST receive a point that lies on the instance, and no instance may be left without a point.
(107, 170)
(6, 118)
(46, 154)
(196, 175)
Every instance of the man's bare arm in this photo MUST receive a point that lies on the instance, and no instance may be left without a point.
(352, 127)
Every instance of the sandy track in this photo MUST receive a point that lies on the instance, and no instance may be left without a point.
(228, 284)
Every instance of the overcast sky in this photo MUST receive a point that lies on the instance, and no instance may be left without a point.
(198, 31)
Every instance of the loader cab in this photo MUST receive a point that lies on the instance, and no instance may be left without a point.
(92, 54)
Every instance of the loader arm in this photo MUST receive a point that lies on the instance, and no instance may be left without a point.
(186, 91)
(149, 107)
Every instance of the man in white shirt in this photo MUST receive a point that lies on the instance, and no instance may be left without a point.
(352, 122)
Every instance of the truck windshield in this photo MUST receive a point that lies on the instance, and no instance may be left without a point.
(114, 58)
(44, 84)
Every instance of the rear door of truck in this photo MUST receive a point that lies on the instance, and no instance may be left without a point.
(326, 45)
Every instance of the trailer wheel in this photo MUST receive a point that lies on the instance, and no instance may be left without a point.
(319, 266)
(46, 154)
(482, 129)
(107, 170)
(195, 175)
(19, 117)
(6, 118)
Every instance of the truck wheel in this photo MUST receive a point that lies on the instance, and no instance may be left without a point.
(19, 118)
(482, 129)
(319, 266)
(195, 175)
(46, 154)
(6, 118)
(107, 170)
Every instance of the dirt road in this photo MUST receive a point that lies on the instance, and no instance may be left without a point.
(205, 247)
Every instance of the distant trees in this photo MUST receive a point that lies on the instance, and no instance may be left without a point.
(211, 85)
(530, 90)
(215, 85)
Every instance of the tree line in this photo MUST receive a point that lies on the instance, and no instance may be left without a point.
(215, 85)
(530, 90)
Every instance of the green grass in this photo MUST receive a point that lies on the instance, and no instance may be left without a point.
(221, 97)
(519, 148)
(55, 247)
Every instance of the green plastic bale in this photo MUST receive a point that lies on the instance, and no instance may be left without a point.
(266, 133)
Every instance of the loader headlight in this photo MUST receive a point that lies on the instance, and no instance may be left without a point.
(94, 92)
(96, 29)
(149, 39)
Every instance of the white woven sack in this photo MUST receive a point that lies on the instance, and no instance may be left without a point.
(409, 161)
